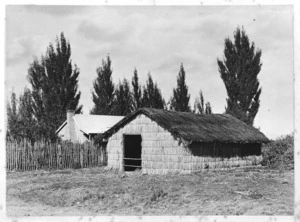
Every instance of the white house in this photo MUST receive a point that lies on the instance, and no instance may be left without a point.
(83, 127)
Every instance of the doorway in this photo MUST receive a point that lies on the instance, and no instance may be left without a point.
(132, 152)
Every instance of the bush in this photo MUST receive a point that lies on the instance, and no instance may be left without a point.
(279, 152)
(157, 193)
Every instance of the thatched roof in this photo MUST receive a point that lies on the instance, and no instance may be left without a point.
(195, 127)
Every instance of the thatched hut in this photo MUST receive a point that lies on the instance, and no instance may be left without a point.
(161, 141)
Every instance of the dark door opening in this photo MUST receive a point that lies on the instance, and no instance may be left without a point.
(132, 152)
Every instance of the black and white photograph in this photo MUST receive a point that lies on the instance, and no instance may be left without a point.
(149, 110)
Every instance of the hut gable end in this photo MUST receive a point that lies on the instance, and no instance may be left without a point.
(158, 145)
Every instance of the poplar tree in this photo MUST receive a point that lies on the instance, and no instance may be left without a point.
(136, 91)
(152, 97)
(200, 107)
(239, 70)
(103, 95)
(54, 82)
(181, 97)
(208, 109)
(12, 128)
(123, 100)
(27, 122)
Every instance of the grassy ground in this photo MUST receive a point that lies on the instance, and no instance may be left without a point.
(93, 192)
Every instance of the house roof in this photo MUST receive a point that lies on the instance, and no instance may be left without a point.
(196, 127)
(93, 124)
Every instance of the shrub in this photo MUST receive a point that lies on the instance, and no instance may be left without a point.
(157, 193)
(279, 152)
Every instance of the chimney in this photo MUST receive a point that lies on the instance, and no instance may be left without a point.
(70, 132)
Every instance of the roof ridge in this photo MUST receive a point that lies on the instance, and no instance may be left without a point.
(189, 126)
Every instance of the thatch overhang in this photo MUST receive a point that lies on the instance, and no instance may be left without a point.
(190, 127)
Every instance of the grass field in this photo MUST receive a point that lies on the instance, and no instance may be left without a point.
(256, 191)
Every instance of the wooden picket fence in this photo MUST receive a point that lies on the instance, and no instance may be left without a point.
(23, 156)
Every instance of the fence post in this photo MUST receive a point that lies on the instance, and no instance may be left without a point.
(30, 156)
(15, 166)
(81, 155)
(100, 154)
(67, 155)
(17, 161)
(63, 155)
(8, 151)
(62, 148)
(7, 157)
(22, 156)
(55, 154)
(26, 156)
(59, 155)
(35, 156)
(8, 154)
(10, 148)
(88, 154)
(25, 159)
(93, 155)
(19, 148)
(49, 156)
(71, 156)
(25, 164)
(78, 157)
(15, 156)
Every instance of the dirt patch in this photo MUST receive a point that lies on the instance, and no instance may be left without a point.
(93, 191)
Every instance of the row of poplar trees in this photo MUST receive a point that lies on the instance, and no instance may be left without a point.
(126, 96)
(40, 110)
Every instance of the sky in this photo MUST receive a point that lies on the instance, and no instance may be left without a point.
(157, 39)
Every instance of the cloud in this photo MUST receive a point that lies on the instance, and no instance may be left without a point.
(116, 35)
(54, 10)
(25, 48)
(21, 48)
(101, 34)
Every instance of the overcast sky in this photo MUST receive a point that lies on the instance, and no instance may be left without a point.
(157, 39)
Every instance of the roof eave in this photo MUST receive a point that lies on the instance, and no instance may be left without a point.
(231, 141)
(62, 126)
